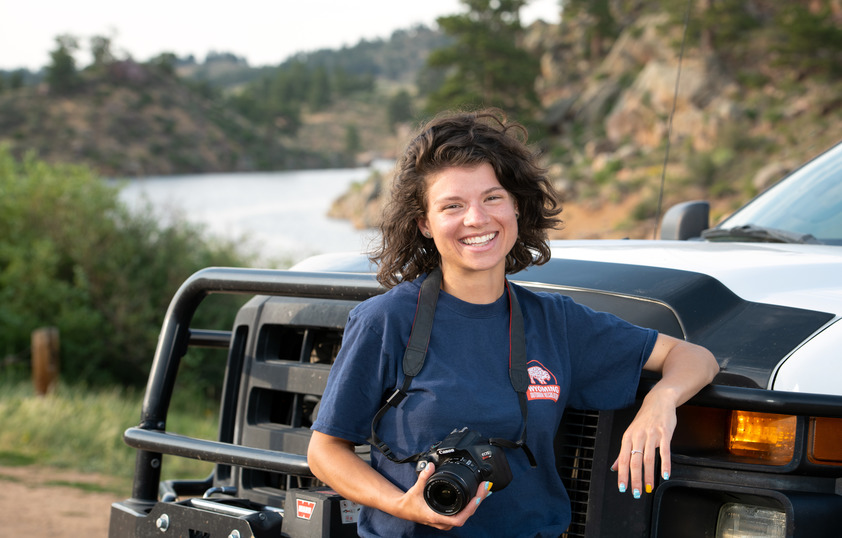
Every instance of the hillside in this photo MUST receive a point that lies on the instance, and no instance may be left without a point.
(743, 117)
(137, 120)
(173, 116)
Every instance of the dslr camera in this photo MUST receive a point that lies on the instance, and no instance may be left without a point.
(463, 460)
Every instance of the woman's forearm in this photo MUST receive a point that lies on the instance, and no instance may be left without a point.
(685, 369)
(334, 462)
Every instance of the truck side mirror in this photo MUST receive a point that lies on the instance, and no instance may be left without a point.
(685, 220)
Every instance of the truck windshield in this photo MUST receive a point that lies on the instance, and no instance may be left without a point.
(807, 203)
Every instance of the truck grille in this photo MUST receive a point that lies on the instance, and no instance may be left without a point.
(574, 460)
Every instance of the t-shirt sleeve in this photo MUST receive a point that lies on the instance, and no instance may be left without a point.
(360, 376)
(607, 355)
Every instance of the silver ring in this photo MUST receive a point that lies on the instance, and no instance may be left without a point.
(633, 452)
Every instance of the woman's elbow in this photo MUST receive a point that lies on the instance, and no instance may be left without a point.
(323, 449)
(712, 365)
(315, 454)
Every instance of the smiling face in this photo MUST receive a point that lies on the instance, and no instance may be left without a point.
(472, 220)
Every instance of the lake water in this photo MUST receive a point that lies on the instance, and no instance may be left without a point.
(279, 216)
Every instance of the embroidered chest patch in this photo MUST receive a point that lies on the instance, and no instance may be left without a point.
(543, 385)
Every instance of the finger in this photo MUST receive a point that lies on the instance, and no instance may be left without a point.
(666, 461)
(622, 466)
(483, 492)
(636, 472)
(649, 468)
(426, 473)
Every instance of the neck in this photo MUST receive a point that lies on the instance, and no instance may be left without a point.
(483, 287)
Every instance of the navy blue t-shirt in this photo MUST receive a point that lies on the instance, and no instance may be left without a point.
(576, 357)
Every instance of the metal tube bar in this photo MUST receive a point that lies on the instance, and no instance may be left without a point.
(217, 452)
(210, 339)
(175, 336)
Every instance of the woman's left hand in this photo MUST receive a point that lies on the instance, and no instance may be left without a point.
(650, 432)
(685, 368)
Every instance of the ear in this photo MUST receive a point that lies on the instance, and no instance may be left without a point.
(423, 227)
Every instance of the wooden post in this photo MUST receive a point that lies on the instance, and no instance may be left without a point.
(45, 359)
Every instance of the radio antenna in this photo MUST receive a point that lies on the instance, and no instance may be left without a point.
(669, 125)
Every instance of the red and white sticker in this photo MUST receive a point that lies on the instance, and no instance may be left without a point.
(304, 509)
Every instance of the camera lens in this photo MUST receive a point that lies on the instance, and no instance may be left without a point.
(450, 488)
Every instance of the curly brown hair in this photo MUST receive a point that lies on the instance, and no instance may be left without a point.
(464, 139)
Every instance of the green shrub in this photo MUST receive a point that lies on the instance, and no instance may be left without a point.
(74, 257)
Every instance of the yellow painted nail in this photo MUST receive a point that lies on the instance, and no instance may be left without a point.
(488, 485)
(648, 488)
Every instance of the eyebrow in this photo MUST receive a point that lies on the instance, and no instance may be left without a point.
(457, 198)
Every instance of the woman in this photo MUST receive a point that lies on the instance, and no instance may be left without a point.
(469, 200)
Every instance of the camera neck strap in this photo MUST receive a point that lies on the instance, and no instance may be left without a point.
(416, 353)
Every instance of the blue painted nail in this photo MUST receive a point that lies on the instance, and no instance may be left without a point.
(636, 493)
(666, 475)
(622, 488)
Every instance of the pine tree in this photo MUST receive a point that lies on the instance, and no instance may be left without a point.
(485, 65)
(61, 73)
(602, 27)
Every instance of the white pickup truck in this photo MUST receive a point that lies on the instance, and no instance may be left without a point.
(756, 454)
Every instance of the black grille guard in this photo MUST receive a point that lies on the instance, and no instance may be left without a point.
(151, 439)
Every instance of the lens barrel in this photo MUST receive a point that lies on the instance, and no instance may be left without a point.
(451, 487)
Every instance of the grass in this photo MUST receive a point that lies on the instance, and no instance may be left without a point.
(81, 429)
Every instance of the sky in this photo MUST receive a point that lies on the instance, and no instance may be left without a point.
(264, 32)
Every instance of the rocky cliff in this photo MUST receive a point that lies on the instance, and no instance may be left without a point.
(708, 125)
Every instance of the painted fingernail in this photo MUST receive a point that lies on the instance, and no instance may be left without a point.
(666, 475)
(622, 488)
(488, 485)
(648, 488)
(478, 501)
(636, 493)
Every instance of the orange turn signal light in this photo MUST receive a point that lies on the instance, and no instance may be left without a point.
(826, 440)
(766, 437)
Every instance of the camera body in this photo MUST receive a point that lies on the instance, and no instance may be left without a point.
(463, 459)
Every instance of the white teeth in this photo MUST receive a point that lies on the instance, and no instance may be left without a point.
(479, 240)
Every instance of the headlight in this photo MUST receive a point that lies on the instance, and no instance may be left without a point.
(765, 436)
(747, 521)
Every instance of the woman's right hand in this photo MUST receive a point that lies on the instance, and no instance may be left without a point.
(413, 501)
(334, 462)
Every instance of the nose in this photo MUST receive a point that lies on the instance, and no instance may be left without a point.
(475, 216)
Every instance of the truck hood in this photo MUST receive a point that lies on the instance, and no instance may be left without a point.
(800, 276)
(754, 305)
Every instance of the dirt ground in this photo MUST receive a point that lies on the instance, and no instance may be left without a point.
(49, 503)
